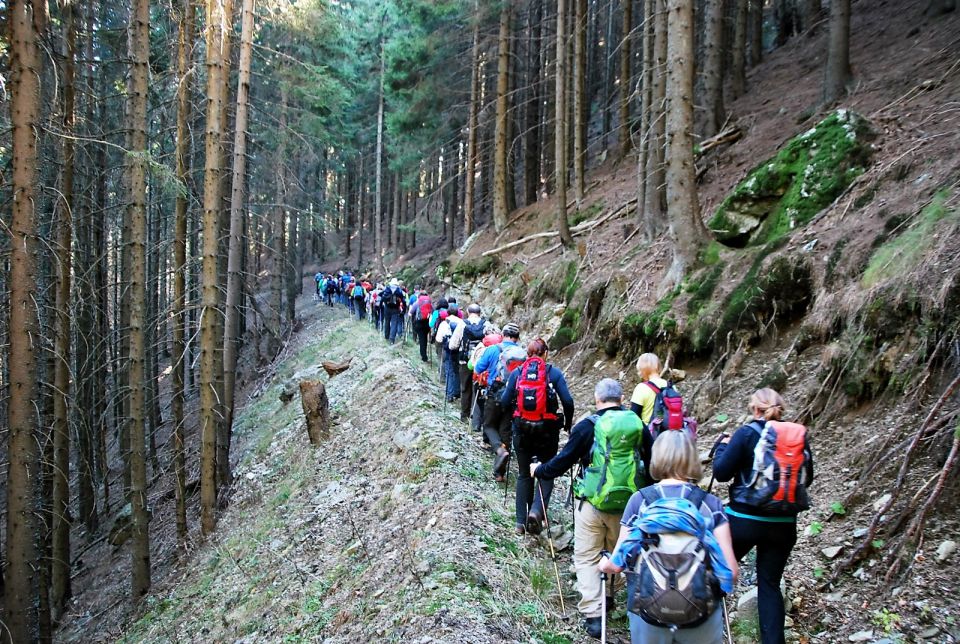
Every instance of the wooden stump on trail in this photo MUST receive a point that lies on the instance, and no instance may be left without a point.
(313, 397)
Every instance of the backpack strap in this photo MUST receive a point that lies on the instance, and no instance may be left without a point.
(757, 426)
(655, 388)
(696, 496)
(650, 494)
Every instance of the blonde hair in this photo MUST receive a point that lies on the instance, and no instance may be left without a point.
(767, 404)
(648, 364)
(675, 457)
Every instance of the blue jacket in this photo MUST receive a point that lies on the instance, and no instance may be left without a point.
(489, 358)
(555, 377)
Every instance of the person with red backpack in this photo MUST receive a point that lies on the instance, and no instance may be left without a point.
(537, 392)
(493, 370)
(770, 465)
(420, 313)
(658, 404)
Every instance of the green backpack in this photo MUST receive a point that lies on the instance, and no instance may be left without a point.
(615, 470)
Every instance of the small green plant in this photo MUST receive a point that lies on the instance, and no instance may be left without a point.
(886, 620)
(818, 572)
(877, 543)
(815, 528)
(837, 508)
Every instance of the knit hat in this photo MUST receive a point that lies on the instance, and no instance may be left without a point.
(511, 330)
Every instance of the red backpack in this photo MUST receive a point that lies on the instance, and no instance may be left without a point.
(668, 412)
(426, 306)
(536, 400)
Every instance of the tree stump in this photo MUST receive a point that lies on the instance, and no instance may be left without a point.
(316, 409)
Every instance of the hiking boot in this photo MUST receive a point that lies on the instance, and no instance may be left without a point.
(500, 462)
(534, 523)
(593, 626)
(519, 530)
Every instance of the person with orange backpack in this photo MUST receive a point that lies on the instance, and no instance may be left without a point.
(491, 336)
(542, 404)
(770, 465)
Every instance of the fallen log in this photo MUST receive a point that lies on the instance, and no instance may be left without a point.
(316, 409)
(579, 229)
(333, 368)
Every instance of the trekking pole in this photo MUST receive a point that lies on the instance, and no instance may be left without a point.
(726, 619)
(603, 601)
(553, 553)
(713, 450)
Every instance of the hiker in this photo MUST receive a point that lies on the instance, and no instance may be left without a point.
(674, 512)
(494, 369)
(330, 288)
(420, 313)
(756, 518)
(464, 340)
(448, 326)
(644, 398)
(392, 300)
(319, 279)
(359, 295)
(537, 392)
(605, 442)
(491, 336)
(433, 324)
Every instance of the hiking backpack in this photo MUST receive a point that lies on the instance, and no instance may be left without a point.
(426, 307)
(511, 357)
(674, 584)
(536, 399)
(358, 291)
(393, 297)
(615, 471)
(472, 338)
(668, 412)
(779, 479)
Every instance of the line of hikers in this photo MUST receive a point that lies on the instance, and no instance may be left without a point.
(636, 493)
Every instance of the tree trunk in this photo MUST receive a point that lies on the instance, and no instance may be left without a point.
(313, 399)
(27, 21)
(210, 298)
(395, 230)
(139, 39)
(837, 75)
(738, 72)
(560, 138)
(531, 123)
(810, 11)
(626, 51)
(378, 196)
(756, 32)
(501, 127)
(683, 206)
(235, 252)
(646, 110)
(60, 592)
(656, 187)
(580, 100)
(187, 20)
(713, 67)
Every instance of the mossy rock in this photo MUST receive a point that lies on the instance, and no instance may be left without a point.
(470, 269)
(775, 378)
(804, 177)
(560, 282)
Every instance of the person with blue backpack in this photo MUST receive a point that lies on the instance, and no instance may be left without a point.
(493, 370)
(770, 465)
(676, 548)
(448, 325)
(606, 445)
(359, 295)
(393, 301)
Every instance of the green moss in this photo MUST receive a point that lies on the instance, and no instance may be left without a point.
(570, 281)
(835, 255)
(469, 269)
(805, 176)
(702, 289)
(646, 329)
(711, 254)
(906, 250)
(587, 213)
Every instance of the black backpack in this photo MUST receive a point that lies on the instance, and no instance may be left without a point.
(393, 298)
(472, 336)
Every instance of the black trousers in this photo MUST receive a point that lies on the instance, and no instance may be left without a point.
(497, 423)
(774, 542)
(466, 391)
(525, 446)
(421, 329)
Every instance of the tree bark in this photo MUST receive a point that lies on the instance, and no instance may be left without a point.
(235, 252)
(646, 110)
(756, 32)
(27, 21)
(501, 125)
(139, 39)
(656, 204)
(713, 67)
(215, 19)
(531, 124)
(683, 206)
(313, 399)
(738, 72)
(60, 575)
(837, 75)
(580, 100)
(187, 21)
(560, 136)
(378, 196)
(810, 11)
(626, 51)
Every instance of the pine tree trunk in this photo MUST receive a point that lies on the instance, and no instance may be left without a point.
(560, 138)
(683, 206)
(186, 22)
(646, 110)
(580, 100)
(26, 21)
(837, 75)
(656, 186)
(626, 51)
(810, 11)
(378, 187)
(738, 72)
(235, 253)
(60, 591)
(531, 122)
(500, 170)
(713, 67)
(139, 39)
(756, 32)
(209, 344)
(397, 213)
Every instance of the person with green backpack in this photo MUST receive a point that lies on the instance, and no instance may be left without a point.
(607, 445)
